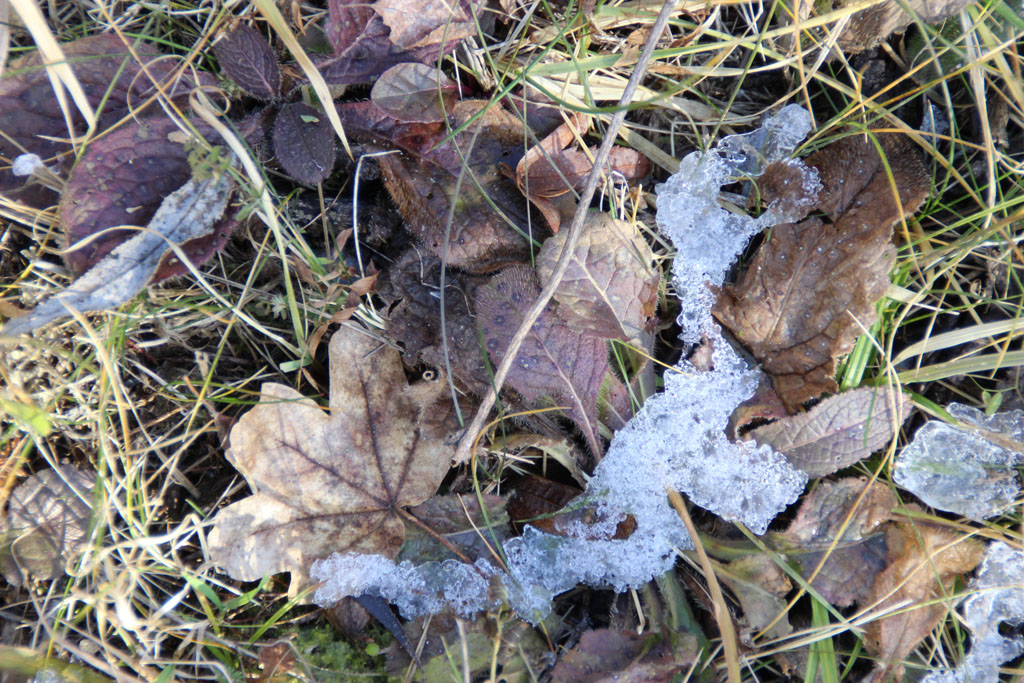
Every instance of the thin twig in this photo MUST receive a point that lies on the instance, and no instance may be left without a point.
(464, 450)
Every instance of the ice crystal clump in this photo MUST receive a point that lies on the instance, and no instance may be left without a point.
(960, 470)
(676, 441)
(996, 599)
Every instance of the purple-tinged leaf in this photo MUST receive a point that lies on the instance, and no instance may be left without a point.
(554, 361)
(32, 120)
(249, 60)
(304, 143)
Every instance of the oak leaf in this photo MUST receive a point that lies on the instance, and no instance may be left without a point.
(837, 509)
(924, 563)
(338, 482)
(836, 433)
(554, 361)
(610, 288)
(812, 286)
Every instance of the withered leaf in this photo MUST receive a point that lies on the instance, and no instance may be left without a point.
(554, 361)
(426, 23)
(838, 432)
(191, 212)
(811, 286)
(610, 288)
(605, 655)
(544, 504)
(414, 93)
(370, 38)
(847, 576)
(924, 562)
(869, 27)
(473, 531)
(760, 585)
(31, 117)
(304, 142)
(47, 524)
(411, 287)
(490, 223)
(122, 179)
(332, 483)
(249, 60)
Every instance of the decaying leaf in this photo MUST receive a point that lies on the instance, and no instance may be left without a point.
(31, 117)
(191, 212)
(371, 37)
(812, 286)
(605, 655)
(249, 60)
(47, 524)
(332, 483)
(304, 142)
(760, 585)
(122, 179)
(849, 572)
(459, 523)
(869, 27)
(924, 561)
(490, 223)
(611, 286)
(554, 362)
(552, 168)
(545, 504)
(414, 93)
(838, 432)
(411, 287)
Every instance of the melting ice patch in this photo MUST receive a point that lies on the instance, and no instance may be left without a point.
(965, 470)
(676, 441)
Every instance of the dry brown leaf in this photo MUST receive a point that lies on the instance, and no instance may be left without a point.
(812, 286)
(849, 572)
(611, 286)
(836, 433)
(924, 561)
(869, 27)
(337, 482)
(760, 585)
(606, 655)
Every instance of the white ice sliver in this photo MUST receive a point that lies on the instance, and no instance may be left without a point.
(677, 440)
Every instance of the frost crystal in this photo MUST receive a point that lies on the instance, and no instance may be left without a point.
(996, 599)
(960, 470)
(676, 441)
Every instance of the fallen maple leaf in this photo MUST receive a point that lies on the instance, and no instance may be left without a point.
(812, 287)
(610, 288)
(32, 119)
(856, 558)
(554, 361)
(924, 562)
(837, 432)
(332, 483)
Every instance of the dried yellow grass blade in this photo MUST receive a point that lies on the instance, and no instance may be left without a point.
(946, 340)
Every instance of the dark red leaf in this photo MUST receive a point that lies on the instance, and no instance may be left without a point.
(31, 117)
(249, 60)
(304, 143)
(121, 179)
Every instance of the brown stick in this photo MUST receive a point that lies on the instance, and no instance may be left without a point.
(466, 444)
